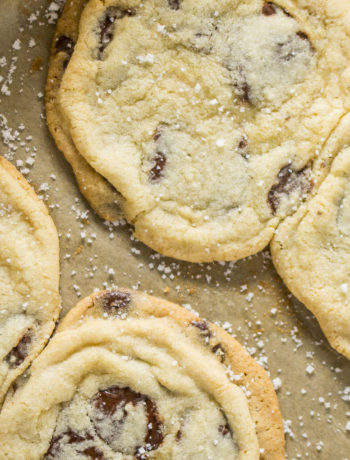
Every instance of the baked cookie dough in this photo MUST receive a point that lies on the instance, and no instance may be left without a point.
(207, 116)
(311, 252)
(131, 376)
(101, 195)
(29, 275)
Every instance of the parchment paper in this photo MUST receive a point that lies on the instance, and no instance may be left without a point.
(247, 298)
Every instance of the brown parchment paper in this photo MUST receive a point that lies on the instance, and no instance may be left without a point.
(247, 298)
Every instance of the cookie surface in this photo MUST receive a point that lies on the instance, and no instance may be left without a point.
(101, 195)
(29, 274)
(311, 252)
(207, 116)
(133, 376)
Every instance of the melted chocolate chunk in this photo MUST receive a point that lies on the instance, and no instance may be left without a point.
(115, 300)
(108, 401)
(159, 159)
(242, 88)
(19, 353)
(203, 327)
(225, 429)
(268, 9)
(242, 148)
(65, 44)
(243, 143)
(302, 35)
(71, 437)
(178, 435)
(219, 351)
(107, 26)
(157, 134)
(289, 180)
(159, 163)
(93, 453)
(174, 4)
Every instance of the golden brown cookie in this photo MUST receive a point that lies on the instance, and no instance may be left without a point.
(311, 250)
(101, 195)
(207, 116)
(129, 376)
(29, 275)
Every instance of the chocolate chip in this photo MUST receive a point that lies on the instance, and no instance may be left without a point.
(174, 4)
(242, 88)
(268, 9)
(203, 327)
(302, 35)
(68, 437)
(159, 158)
(225, 429)
(178, 435)
(19, 353)
(243, 143)
(289, 180)
(108, 401)
(159, 163)
(219, 351)
(65, 44)
(107, 26)
(157, 135)
(93, 453)
(115, 300)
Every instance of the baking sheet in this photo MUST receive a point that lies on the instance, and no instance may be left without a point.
(247, 298)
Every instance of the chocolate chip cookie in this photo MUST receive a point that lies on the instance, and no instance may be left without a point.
(311, 251)
(101, 195)
(207, 116)
(131, 376)
(29, 274)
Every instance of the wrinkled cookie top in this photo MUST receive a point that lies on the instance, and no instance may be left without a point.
(313, 245)
(197, 111)
(118, 420)
(29, 302)
(118, 382)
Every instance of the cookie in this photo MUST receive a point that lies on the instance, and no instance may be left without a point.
(311, 252)
(101, 195)
(207, 116)
(128, 375)
(29, 274)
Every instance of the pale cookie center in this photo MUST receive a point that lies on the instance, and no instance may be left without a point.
(128, 422)
(118, 420)
(202, 178)
(266, 56)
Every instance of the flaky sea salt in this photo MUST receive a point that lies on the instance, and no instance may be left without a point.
(277, 383)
